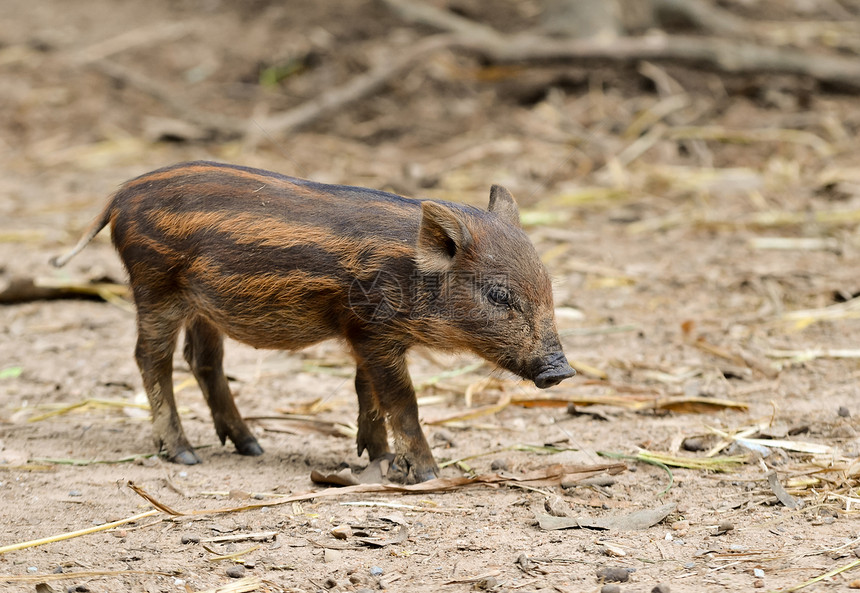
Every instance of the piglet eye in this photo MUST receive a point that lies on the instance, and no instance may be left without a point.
(499, 296)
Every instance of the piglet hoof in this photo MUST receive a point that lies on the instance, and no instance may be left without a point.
(401, 470)
(249, 446)
(186, 457)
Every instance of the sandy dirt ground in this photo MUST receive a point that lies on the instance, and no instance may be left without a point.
(705, 280)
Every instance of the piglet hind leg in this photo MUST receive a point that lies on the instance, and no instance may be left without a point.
(387, 372)
(204, 351)
(372, 434)
(156, 342)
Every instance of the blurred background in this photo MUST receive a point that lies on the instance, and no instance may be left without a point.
(689, 171)
(574, 104)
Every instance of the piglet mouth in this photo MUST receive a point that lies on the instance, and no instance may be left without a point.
(552, 370)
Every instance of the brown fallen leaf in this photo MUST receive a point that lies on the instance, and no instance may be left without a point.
(374, 473)
(470, 414)
(152, 500)
(396, 517)
(22, 290)
(634, 401)
(698, 405)
(634, 521)
(342, 477)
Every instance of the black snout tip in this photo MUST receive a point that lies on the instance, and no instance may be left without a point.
(554, 375)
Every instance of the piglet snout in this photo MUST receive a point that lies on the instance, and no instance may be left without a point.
(552, 369)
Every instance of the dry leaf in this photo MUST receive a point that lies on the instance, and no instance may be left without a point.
(800, 446)
(471, 414)
(342, 477)
(784, 497)
(698, 405)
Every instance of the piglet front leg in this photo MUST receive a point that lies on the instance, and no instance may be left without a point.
(384, 368)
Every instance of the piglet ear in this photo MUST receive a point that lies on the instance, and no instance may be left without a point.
(503, 205)
(442, 235)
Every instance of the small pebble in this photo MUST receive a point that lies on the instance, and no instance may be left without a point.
(364, 590)
(758, 573)
(694, 444)
(330, 555)
(613, 574)
(250, 564)
(179, 582)
(486, 584)
(499, 465)
(843, 412)
(855, 584)
(341, 531)
(74, 493)
(725, 527)
(557, 506)
(58, 570)
(612, 550)
(190, 539)
(183, 474)
(610, 589)
(77, 589)
(330, 583)
(758, 584)
(236, 571)
(660, 588)
(258, 496)
(32, 569)
(376, 571)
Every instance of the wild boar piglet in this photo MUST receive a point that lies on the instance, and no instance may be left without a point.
(278, 262)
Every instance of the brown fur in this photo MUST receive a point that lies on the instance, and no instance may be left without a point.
(278, 262)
